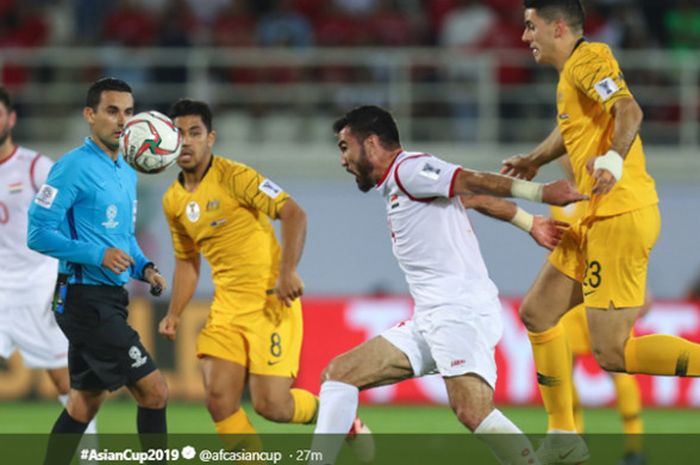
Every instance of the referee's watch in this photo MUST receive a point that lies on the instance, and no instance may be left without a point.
(149, 265)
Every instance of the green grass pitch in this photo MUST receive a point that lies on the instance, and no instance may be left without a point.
(119, 416)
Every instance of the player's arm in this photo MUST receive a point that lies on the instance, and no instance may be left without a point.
(607, 168)
(185, 279)
(293, 232)
(48, 212)
(527, 166)
(545, 231)
(468, 182)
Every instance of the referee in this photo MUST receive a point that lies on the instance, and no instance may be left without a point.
(84, 215)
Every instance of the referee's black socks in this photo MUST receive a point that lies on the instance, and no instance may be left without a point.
(151, 420)
(64, 439)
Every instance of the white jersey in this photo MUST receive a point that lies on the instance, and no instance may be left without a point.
(23, 270)
(432, 238)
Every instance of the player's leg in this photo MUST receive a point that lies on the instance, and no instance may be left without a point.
(629, 405)
(471, 398)
(274, 349)
(373, 363)
(550, 297)
(576, 329)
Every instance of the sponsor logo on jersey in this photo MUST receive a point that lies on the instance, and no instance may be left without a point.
(192, 211)
(15, 187)
(136, 355)
(111, 214)
(46, 195)
(270, 189)
(430, 172)
(606, 88)
(456, 363)
(217, 222)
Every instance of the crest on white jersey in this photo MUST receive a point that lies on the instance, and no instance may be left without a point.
(136, 355)
(111, 214)
(46, 195)
(192, 211)
(269, 188)
(430, 172)
(606, 88)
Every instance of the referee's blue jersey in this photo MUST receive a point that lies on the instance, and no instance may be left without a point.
(87, 205)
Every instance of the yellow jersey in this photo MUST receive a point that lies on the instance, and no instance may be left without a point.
(227, 219)
(589, 85)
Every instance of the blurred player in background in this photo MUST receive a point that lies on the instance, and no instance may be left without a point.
(456, 323)
(27, 278)
(629, 399)
(602, 259)
(222, 209)
(84, 215)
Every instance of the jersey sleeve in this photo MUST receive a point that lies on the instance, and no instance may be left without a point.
(39, 171)
(183, 246)
(425, 177)
(253, 190)
(48, 212)
(597, 74)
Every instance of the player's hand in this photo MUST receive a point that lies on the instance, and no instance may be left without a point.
(289, 287)
(604, 179)
(519, 166)
(117, 260)
(156, 280)
(168, 326)
(547, 232)
(561, 193)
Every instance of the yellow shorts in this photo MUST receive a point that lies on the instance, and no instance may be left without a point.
(576, 328)
(609, 256)
(255, 341)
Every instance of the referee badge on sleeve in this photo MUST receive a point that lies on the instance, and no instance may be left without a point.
(46, 195)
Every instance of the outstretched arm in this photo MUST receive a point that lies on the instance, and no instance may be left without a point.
(545, 231)
(527, 166)
(559, 192)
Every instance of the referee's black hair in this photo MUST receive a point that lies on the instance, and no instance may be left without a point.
(571, 11)
(94, 93)
(367, 120)
(189, 107)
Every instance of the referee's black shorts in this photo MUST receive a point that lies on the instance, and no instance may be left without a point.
(104, 352)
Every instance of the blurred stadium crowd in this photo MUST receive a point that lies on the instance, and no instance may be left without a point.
(306, 23)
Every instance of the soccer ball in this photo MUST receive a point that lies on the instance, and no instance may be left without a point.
(150, 142)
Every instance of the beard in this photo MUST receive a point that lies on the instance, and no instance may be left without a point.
(4, 135)
(364, 172)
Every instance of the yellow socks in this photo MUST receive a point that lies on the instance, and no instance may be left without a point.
(238, 433)
(577, 409)
(305, 406)
(661, 354)
(553, 361)
(629, 404)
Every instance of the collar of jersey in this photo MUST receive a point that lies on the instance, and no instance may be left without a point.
(388, 170)
(96, 148)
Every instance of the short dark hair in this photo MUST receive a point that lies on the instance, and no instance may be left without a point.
(367, 120)
(5, 98)
(94, 93)
(188, 107)
(571, 11)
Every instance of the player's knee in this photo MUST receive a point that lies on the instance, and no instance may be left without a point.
(157, 396)
(609, 359)
(270, 409)
(221, 402)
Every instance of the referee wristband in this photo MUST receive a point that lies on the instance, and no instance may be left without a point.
(611, 161)
(523, 220)
(527, 190)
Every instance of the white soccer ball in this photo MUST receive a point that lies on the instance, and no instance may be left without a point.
(150, 142)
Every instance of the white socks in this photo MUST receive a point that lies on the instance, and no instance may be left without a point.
(506, 441)
(336, 413)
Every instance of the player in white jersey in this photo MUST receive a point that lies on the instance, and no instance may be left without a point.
(27, 278)
(456, 322)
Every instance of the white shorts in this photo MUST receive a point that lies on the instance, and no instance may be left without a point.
(451, 341)
(31, 329)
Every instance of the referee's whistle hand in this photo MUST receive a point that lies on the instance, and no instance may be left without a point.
(117, 260)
